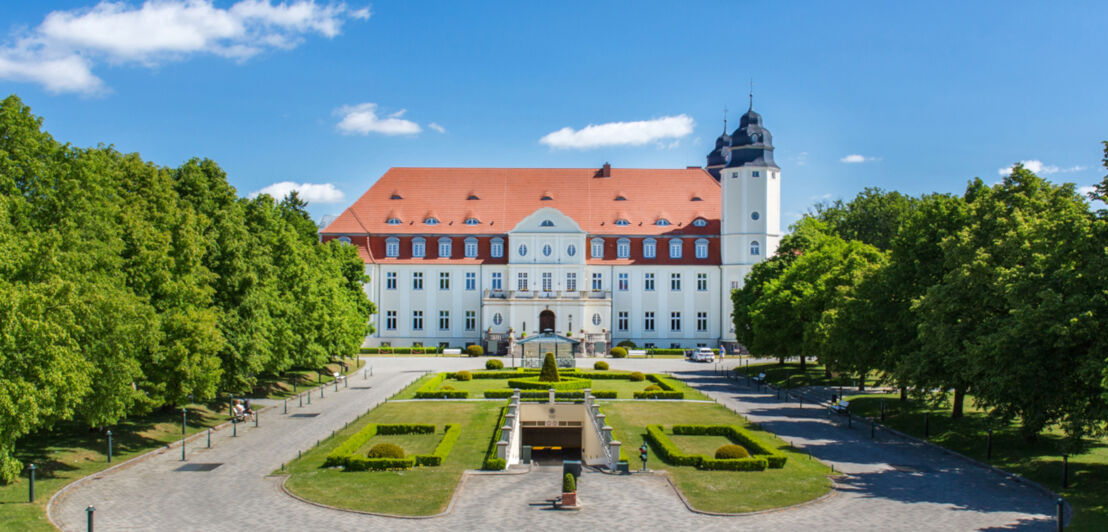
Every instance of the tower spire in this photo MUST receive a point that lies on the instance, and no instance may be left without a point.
(725, 120)
(751, 94)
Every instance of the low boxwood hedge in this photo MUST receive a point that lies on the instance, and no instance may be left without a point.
(566, 383)
(430, 390)
(739, 435)
(526, 395)
(450, 436)
(763, 456)
(361, 463)
(493, 462)
(344, 456)
(399, 350)
(659, 395)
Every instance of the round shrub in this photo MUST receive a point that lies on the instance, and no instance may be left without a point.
(386, 450)
(569, 484)
(628, 344)
(636, 377)
(600, 365)
(447, 387)
(618, 352)
(475, 350)
(653, 388)
(463, 375)
(731, 451)
(493, 363)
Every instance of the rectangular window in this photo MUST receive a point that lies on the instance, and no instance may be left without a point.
(571, 281)
(734, 285)
(392, 247)
(471, 248)
(675, 321)
(471, 281)
(701, 321)
(597, 282)
(547, 281)
(390, 281)
(471, 320)
(417, 320)
(444, 320)
(648, 282)
(622, 320)
(756, 174)
(444, 280)
(390, 320)
(597, 248)
(521, 281)
(701, 249)
(675, 282)
(649, 248)
(623, 281)
(648, 321)
(623, 248)
(497, 248)
(674, 346)
(418, 248)
(417, 280)
(497, 281)
(702, 282)
(444, 248)
(675, 248)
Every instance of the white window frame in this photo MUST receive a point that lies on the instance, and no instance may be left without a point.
(497, 281)
(444, 280)
(648, 282)
(597, 281)
(471, 247)
(649, 248)
(419, 247)
(702, 248)
(571, 281)
(648, 321)
(392, 247)
(623, 248)
(521, 282)
(390, 280)
(496, 248)
(446, 247)
(675, 282)
(417, 280)
(624, 282)
(675, 248)
(755, 248)
(701, 282)
(417, 320)
(471, 280)
(444, 320)
(675, 321)
(597, 248)
(390, 320)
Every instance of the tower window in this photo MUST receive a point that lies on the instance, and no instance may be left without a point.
(546, 223)
(756, 174)
(754, 216)
(755, 249)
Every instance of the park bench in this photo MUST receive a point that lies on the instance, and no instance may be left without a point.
(760, 379)
(841, 407)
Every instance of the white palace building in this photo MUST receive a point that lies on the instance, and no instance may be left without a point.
(460, 256)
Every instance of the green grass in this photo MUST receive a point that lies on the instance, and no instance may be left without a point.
(411, 443)
(789, 375)
(720, 491)
(625, 389)
(419, 491)
(1041, 462)
(71, 451)
(705, 445)
(291, 382)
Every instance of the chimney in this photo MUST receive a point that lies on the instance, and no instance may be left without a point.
(605, 171)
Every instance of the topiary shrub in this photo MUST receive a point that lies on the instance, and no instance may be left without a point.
(618, 352)
(475, 350)
(549, 371)
(386, 450)
(636, 377)
(463, 375)
(600, 365)
(652, 388)
(731, 451)
(628, 344)
(569, 484)
(493, 363)
(447, 387)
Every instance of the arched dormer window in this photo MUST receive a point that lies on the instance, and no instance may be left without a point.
(662, 221)
(431, 220)
(392, 247)
(396, 195)
(696, 198)
(649, 248)
(344, 239)
(755, 249)
(597, 245)
(622, 221)
(623, 248)
(472, 197)
(621, 197)
(419, 247)
(393, 221)
(547, 197)
(471, 247)
(700, 222)
(546, 223)
(445, 245)
(675, 247)
(496, 248)
(472, 221)
(702, 248)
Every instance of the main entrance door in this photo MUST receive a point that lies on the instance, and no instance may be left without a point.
(546, 321)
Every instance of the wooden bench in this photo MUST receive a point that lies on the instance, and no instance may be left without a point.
(760, 379)
(841, 407)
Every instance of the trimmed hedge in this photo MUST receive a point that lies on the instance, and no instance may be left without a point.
(754, 463)
(361, 463)
(600, 365)
(505, 393)
(492, 462)
(671, 454)
(450, 436)
(566, 383)
(618, 352)
(739, 435)
(494, 374)
(659, 395)
(430, 390)
(493, 363)
(405, 428)
(399, 350)
(344, 456)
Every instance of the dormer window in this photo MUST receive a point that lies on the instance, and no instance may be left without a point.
(699, 222)
(393, 221)
(396, 195)
(597, 245)
(431, 221)
(419, 247)
(344, 239)
(623, 248)
(496, 247)
(662, 221)
(472, 221)
(696, 198)
(622, 221)
(392, 247)
(445, 247)
(621, 197)
(546, 223)
(547, 197)
(472, 197)
(649, 248)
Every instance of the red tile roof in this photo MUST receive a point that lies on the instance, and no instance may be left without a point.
(508, 195)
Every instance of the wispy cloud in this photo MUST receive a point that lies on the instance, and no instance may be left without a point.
(621, 133)
(60, 53)
(309, 192)
(800, 159)
(1037, 167)
(437, 127)
(362, 119)
(855, 158)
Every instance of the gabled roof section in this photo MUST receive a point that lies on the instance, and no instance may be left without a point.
(508, 195)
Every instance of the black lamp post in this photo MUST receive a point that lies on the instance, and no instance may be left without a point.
(184, 421)
(32, 487)
(109, 446)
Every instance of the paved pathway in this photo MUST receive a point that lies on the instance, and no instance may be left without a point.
(946, 494)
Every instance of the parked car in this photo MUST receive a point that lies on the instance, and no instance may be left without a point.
(703, 354)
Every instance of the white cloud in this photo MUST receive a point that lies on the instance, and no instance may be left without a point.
(362, 119)
(160, 31)
(621, 133)
(437, 127)
(1038, 168)
(855, 158)
(309, 192)
(1086, 190)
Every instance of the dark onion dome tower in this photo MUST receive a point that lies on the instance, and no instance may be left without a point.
(716, 158)
(749, 145)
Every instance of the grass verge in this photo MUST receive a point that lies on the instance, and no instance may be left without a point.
(789, 375)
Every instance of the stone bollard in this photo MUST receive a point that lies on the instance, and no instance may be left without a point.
(506, 433)
(613, 447)
(502, 450)
(510, 420)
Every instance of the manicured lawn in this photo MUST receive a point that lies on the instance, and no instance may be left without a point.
(789, 375)
(71, 451)
(419, 491)
(800, 480)
(295, 381)
(624, 388)
(411, 443)
(1041, 462)
(705, 445)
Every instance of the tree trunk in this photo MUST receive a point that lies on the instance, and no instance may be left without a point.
(903, 393)
(959, 401)
(862, 381)
(803, 364)
(827, 373)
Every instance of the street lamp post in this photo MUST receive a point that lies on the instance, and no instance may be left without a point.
(184, 422)
(109, 446)
(32, 487)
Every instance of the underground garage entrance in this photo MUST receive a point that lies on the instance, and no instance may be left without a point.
(551, 443)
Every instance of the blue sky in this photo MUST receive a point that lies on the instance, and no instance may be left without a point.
(926, 96)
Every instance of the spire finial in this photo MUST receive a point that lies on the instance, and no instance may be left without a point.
(725, 120)
(751, 94)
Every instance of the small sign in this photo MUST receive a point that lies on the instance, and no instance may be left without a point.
(551, 423)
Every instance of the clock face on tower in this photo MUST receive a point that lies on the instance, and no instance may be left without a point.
(727, 155)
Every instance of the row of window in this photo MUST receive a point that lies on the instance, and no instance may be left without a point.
(431, 220)
(622, 320)
(444, 320)
(623, 248)
(547, 281)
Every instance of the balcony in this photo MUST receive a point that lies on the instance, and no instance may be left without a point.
(551, 294)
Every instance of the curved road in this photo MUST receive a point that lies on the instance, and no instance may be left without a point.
(891, 484)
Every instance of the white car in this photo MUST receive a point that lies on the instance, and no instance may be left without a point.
(703, 354)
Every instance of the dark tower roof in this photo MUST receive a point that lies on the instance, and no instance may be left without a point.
(751, 143)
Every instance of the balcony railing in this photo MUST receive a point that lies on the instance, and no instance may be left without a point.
(547, 294)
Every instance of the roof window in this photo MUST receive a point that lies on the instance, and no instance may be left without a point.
(431, 220)
(473, 197)
(546, 223)
(662, 221)
(396, 195)
(472, 221)
(393, 221)
(622, 221)
(700, 222)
